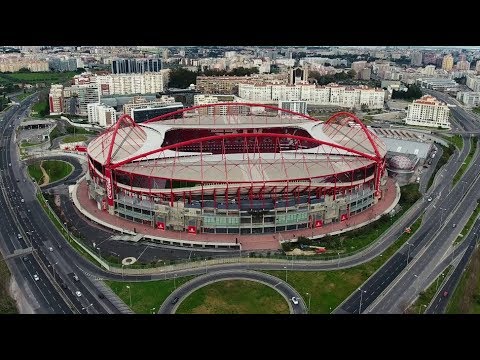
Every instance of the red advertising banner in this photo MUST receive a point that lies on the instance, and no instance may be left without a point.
(192, 229)
(318, 223)
(344, 217)
(160, 225)
(109, 186)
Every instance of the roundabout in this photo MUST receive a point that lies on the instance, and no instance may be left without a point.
(175, 299)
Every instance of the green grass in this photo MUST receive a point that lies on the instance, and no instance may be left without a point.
(468, 225)
(234, 297)
(36, 173)
(26, 143)
(77, 130)
(74, 138)
(456, 140)
(36, 77)
(23, 96)
(7, 304)
(468, 159)
(329, 288)
(466, 297)
(145, 295)
(476, 110)
(352, 241)
(41, 108)
(57, 169)
(447, 152)
(425, 297)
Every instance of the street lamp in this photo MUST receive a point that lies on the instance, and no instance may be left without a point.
(205, 265)
(86, 307)
(174, 281)
(408, 252)
(416, 282)
(420, 308)
(66, 230)
(153, 310)
(130, 292)
(286, 273)
(53, 270)
(438, 278)
(361, 296)
(453, 250)
(309, 297)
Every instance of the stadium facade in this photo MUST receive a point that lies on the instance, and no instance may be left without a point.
(236, 168)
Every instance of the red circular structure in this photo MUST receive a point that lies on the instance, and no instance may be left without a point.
(236, 168)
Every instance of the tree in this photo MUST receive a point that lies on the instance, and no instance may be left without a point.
(182, 78)
(364, 107)
(351, 74)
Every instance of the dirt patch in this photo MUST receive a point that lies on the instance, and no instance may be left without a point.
(297, 251)
(46, 178)
(22, 304)
(473, 276)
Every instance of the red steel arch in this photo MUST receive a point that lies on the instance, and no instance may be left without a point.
(244, 135)
(123, 119)
(362, 126)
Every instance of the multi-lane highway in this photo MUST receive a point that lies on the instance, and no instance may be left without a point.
(438, 305)
(395, 285)
(26, 225)
(431, 246)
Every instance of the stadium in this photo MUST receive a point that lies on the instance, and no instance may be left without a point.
(236, 168)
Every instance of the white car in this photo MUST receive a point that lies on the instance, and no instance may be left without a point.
(50, 248)
(294, 300)
(35, 277)
(429, 199)
(78, 293)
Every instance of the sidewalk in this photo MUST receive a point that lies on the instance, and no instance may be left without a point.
(248, 242)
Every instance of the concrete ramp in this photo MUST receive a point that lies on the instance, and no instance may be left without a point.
(126, 237)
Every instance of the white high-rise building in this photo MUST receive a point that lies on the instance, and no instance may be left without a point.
(469, 98)
(473, 82)
(349, 97)
(428, 111)
(126, 84)
(219, 110)
(477, 67)
(297, 106)
(101, 114)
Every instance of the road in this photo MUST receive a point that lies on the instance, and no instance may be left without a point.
(393, 282)
(169, 306)
(439, 303)
(26, 225)
(463, 121)
(433, 245)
